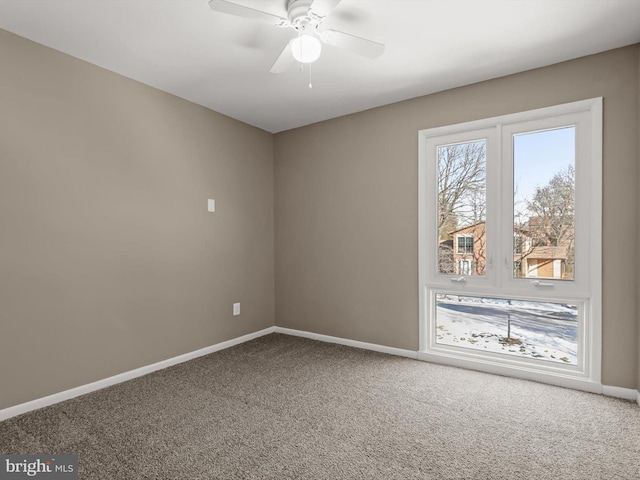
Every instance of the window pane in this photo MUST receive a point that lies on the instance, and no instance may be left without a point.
(544, 204)
(462, 202)
(541, 330)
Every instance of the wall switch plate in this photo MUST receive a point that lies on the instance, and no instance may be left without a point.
(236, 309)
(211, 205)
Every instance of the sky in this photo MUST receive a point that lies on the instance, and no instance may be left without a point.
(539, 156)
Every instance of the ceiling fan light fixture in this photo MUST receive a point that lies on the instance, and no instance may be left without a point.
(306, 48)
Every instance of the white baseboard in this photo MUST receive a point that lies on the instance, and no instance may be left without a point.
(125, 376)
(619, 392)
(350, 343)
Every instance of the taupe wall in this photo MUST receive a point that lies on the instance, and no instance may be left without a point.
(346, 206)
(638, 137)
(109, 260)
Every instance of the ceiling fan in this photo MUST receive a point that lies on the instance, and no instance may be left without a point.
(305, 17)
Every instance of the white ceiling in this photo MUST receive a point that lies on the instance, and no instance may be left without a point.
(222, 62)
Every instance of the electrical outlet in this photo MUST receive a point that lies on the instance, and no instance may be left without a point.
(236, 309)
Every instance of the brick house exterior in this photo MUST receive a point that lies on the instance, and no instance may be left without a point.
(467, 247)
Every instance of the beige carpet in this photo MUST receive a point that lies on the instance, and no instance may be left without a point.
(281, 407)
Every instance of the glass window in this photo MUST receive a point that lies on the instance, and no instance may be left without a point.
(544, 202)
(529, 299)
(465, 243)
(461, 200)
(539, 330)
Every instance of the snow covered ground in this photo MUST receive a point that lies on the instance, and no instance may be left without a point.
(547, 331)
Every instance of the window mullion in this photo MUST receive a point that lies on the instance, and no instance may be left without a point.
(494, 194)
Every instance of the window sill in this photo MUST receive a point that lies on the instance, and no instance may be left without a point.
(513, 368)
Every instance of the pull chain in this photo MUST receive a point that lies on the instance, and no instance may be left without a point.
(310, 84)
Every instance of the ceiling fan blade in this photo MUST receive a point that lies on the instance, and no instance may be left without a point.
(224, 6)
(322, 8)
(284, 61)
(361, 46)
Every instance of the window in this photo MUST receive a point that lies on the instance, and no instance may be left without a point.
(519, 199)
(465, 243)
(544, 331)
(461, 199)
(544, 200)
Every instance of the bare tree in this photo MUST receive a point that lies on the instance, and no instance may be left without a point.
(548, 220)
(461, 186)
(461, 198)
(553, 208)
(445, 257)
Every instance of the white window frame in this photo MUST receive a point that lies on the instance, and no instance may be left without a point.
(429, 190)
(585, 290)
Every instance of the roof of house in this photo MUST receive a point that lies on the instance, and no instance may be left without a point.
(467, 227)
(446, 243)
(548, 253)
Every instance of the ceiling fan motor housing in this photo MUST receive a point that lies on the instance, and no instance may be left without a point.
(301, 17)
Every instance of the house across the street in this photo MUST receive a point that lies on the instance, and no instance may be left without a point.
(464, 253)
